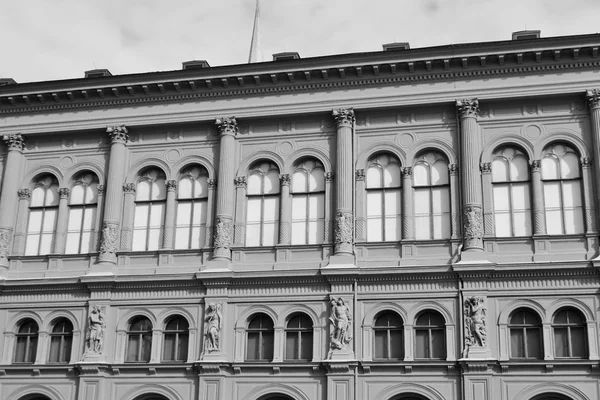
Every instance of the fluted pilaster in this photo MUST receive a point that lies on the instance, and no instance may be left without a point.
(169, 231)
(285, 214)
(539, 215)
(408, 213)
(60, 240)
(593, 99)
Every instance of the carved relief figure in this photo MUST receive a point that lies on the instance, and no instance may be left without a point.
(212, 329)
(344, 225)
(475, 329)
(473, 227)
(340, 320)
(223, 231)
(94, 339)
(108, 244)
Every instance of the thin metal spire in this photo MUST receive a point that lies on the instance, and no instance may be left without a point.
(254, 52)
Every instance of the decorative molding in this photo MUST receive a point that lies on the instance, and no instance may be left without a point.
(15, 141)
(285, 179)
(24, 194)
(360, 174)
(5, 239)
(472, 227)
(101, 189)
(240, 182)
(329, 176)
(129, 188)
(227, 126)
(64, 193)
(344, 225)
(171, 185)
(343, 117)
(453, 169)
(341, 325)
(212, 328)
(586, 162)
(223, 237)
(468, 108)
(407, 172)
(536, 165)
(212, 184)
(485, 167)
(118, 133)
(593, 98)
(475, 323)
(94, 338)
(108, 243)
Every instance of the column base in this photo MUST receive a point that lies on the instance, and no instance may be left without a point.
(474, 255)
(93, 358)
(477, 353)
(346, 355)
(215, 265)
(215, 356)
(341, 261)
(102, 268)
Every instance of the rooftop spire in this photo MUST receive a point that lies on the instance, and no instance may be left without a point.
(254, 52)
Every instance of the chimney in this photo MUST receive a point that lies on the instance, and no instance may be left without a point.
(290, 55)
(396, 46)
(97, 73)
(525, 35)
(194, 64)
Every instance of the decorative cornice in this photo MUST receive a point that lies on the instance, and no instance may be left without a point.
(468, 108)
(227, 126)
(593, 98)
(344, 117)
(118, 133)
(15, 141)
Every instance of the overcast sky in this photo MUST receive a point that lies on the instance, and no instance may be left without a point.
(60, 39)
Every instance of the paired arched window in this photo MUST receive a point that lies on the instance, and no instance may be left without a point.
(175, 339)
(139, 340)
(61, 341)
(388, 330)
(150, 199)
(192, 201)
(308, 202)
(83, 206)
(570, 339)
(260, 335)
(43, 211)
(511, 193)
(26, 340)
(432, 196)
(383, 182)
(299, 338)
(561, 178)
(430, 336)
(525, 329)
(262, 217)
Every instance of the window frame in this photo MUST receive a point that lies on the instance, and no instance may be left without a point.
(193, 201)
(430, 336)
(65, 341)
(388, 336)
(568, 327)
(145, 176)
(374, 161)
(84, 206)
(255, 169)
(44, 209)
(307, 194)
(260, 332)
(180, 335)
(302, 336)
(31, 342)
(141, 334)
(524, 328)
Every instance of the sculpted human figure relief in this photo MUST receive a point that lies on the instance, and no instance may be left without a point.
(475, 326)
(94, 339)
(340, 324)
(212, 328)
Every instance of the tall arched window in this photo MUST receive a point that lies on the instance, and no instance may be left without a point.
(562, 190)
(432, 197)
(299, 338)
(259, 344)
(192, 200)
(262, 218)
(61, 341)
(27, 339)
(83, 206)
(383, 199)
(43, 210)
(570, 339)
(175, 342)
(308, 203)
(525, 334)
(150, 198)
(388, 330)
(430, 335)
(139, 340)
(512, 204)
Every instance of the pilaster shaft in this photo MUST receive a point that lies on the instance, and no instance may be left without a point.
(593, 99)
(286, 214)
(60, 240)
(129, 190)
(169, 231)
(408, 213)
(240, 211)
(539, 215)
(21, 228)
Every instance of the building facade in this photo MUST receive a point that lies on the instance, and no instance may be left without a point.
(405, 224)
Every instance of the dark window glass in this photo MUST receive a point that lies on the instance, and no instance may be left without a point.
(299, 338)
(260, 338)
(176, 339)
(61, 341)
(26, 339)
(525, 335)
(430, 335)
(569, 334)
(388, 336)
(139, 340)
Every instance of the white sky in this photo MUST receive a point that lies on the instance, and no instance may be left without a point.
(60, 39)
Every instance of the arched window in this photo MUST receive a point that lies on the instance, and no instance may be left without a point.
(175, 342)
(34, 397)
(150, 198)
(192, 200)
(388, 336)
(276, 396)
(139, 340)
(43, 210)
(260, 338)
(570, 339)
(562, 190)
(511, 193)
(409, 396)
(299, 338)
(430, 335)
(308, 203)
(432, 197)
(383, 199)
(525, 334)
(27, 339)
(61, 341)
(551, 396)
(262, 227)
(83, 206)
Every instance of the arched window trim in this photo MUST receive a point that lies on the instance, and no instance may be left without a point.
(524, 330)
(392, 337)
(188, 226)
(430, 331)
(264, 336)
(266, 202)
(155, 209)
(383, 233)
(312, 198)
(27, 341)
(301, 338)
(63, 340)
(48, 216)
(180, 337)
(88, 209)
(568, 327)
(143, 337)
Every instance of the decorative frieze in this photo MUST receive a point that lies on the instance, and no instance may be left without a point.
(344, 225)
(118, 133)
(344, 117)
(227, 126)
(468, 108)
(15, 141)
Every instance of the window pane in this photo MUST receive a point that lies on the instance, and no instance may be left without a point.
(561, 343)
(154, 239)
(267, 344)
(533, 343)
(31, 247)
(392, 202)
(142, 192)
(517, 344)
(271, 182)
(299, 232)
(254, 209)
(374, 203)
(48, 224)
(316, 180)
(422, 201)
(422, 344)
(46, 243)
(77, 195)
(299, 207)
(182, 350)
(37, 197)
(549, 168)
(571, 194)
(306, 344)
(439, 173)
(252, 346)
(75, 218)
(438, 344)
(254, 183)
(316, 206)
(52, 196)
(169, 347)
(184, 213)
(35, 221)
(269, 234)
(184, 189)
(86, 242)
(520, 196)
(501, 197)
(72, 246)
(89, 217)
(391, 175)
(159, 190)
(392, 229)
(578, 342)
(139, 240)
(271, 209)
(65, 355)
(141, 215)
(252, 234)
(440, 197)
(396, 345)
(146, 347)
(292, 346)
(200, 207)
(299, 182)
(374, 230)
(554, 224)
(380, 344)
(373, 177)
(519, 170)
(156, 215)
(522, 223)
(500, 170)
(569, 166)
(54, 349)
(133, 347)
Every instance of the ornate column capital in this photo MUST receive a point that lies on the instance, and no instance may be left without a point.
(212, 183)
(485, 167)
(64, 193)
(360, 174)
(118, 133)
(129, 188)
(468, 108)
(240, 182)
(593, 98)
(14, 141)
(24, 194)
(453, 169)
(329, 176)
(285, 180)
(536, 165)
(227, 126)
(344, 117)
(407, 172)
(171, 185)
(101, 189)
(586, 162)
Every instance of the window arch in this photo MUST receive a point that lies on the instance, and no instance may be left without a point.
(192, 203)
(561, 178)
(150, 199)
(383, 182)
(308, 202)
(432, 196)
(275, 396)
(61, 341)
(511, 193)
(570, 339)
(299, 338)
(260, 334)
(139, 340)
(430, 335)
(262, 218)
(83, 206)
(409, 396)
(551, 396)
(27, 340)
(34, 397)
(175, 339)
(388, 329)
(525, 329)
(43, 211)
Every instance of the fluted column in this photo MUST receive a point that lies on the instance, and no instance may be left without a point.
(593, 99)
(228, 128)
(329, 176)
(488, 212)
(60, 240)
(590, 209)
(169, 231)
(8, 199)
(117, 167)
(98, 221)
(285, 215)
(539, 215)
(344, 217)
(240, 211)
(454, 199)
(128, 217)
(360, 226)
(21, 227)
(408, 212)
(210, 206)
(470, 142)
